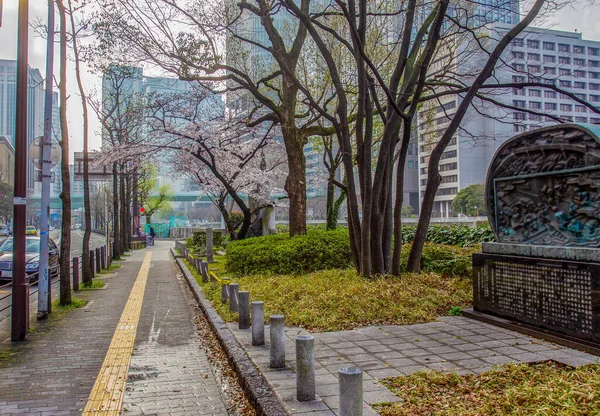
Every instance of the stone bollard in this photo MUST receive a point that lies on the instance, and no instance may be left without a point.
(277, 335)
(224, 292)
(258, 323)
(198, 265)
(98, 260)
(92, 268)
(305, 368)
(351, 391)
(76, 274)
(204, 271)
(244, 309)
(209, 245)
(233, 297)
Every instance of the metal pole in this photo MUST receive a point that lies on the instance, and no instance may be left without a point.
(44, 279)
(108, 247)
(20, 289)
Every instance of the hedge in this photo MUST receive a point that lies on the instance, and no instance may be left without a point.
(452, 235)
(280, 254)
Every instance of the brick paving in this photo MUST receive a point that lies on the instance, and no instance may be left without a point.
(453, 344)
(54, 371)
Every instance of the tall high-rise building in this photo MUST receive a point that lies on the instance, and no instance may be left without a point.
(542, 56)
(8, 107)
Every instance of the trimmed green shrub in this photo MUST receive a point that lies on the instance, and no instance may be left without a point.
(445, 260)
(280, 254)
(198, 240)
(452, 235)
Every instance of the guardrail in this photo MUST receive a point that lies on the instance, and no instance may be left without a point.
(96, 255)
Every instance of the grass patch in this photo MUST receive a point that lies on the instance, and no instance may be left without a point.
(96, 284)
(514, 389)
(76, 303)
(333, 300)
(109, 269)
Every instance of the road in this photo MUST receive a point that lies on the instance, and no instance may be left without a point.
(6, 292)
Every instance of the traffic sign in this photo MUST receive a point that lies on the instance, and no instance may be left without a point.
(35, 153)
(38, 176)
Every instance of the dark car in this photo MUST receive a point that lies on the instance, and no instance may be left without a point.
(32, 258)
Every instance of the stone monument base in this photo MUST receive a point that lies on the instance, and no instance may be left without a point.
(555, 290)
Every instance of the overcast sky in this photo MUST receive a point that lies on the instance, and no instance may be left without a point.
(581, 16)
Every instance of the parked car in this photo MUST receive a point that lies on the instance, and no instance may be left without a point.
(4, 230)
(30, 230)
(32, 258)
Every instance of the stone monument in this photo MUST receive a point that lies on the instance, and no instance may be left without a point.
(543, 204)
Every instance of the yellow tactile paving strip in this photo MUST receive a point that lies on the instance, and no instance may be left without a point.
(106, 397)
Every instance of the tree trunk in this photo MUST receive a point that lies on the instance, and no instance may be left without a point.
(396, 255)
(123, 214)
(86, 275)
(65, 196)
(128, 209)
(117, 248)
(330, 225)
(295, 184)
(226, 218)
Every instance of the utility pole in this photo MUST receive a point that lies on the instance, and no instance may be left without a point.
(44, 277)
(20, 287)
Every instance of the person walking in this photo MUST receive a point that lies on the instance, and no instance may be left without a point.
(152, 235)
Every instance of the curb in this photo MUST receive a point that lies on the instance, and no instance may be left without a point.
(264, 400)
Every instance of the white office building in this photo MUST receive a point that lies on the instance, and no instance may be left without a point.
(537, 59)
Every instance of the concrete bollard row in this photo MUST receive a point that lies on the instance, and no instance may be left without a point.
(305, 368)
(98, 260)
(224, 291)
(244, 310)
(234, 288)
(277, 336)
(258, 323)
(351, 391)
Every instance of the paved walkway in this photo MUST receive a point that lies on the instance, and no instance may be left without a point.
(54, 373)
(452, 344)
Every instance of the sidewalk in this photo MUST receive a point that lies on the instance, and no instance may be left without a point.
(55, 371)
(452, 344)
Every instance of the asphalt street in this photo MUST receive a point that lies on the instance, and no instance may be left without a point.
(6, 292)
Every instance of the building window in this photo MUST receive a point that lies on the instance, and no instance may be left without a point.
(449, 178)
(518, 78)
(549, 46)
(447, 191)
(564, 71)
(535, 105)
(594, 98)
(519, 116)
(519, 103)
(594, 75)
(533, 56)
(581, 96)
(594, 64)
(594, 51)
(580, 108)
(579, 50)
(448, 166)
(535, 117)
(566, 107)
(518, 67)
(411, 164)
(518, 91)
(579, 62)
(549, 59)
(518, 55)
(567, 118)
(550, 106)
(549, 94)
(519, 128)
(533, 44)
(535, 93)
(565, 84)
(535, 69)
(564, 60)
(581, 120)
(595, 120)
(594, 87)
(579, 85)
(579, 74)
(449, 154)
(550, 70)
(518, 42)
(562, 47)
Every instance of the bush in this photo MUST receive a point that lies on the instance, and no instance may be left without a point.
(443, 260)
(198, 240)
(280, 254)
(452, 235)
